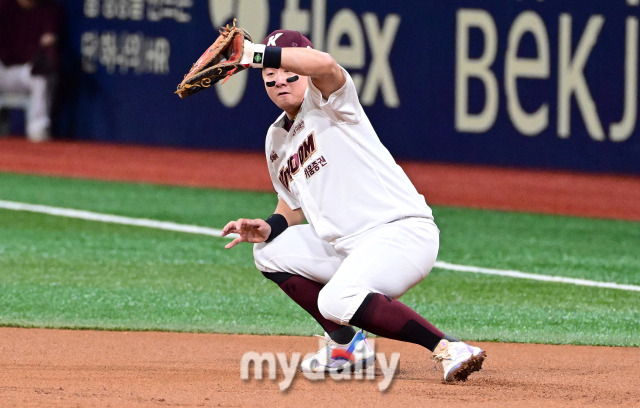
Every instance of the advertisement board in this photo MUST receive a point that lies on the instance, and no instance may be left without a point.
(523, 83)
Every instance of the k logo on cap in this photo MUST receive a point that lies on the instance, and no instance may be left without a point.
(271, 42)
(287, 38)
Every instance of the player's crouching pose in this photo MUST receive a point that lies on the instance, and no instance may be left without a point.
(370, 235)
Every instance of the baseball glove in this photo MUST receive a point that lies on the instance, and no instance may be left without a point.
(219, 61)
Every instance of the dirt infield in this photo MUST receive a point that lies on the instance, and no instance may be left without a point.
(88, 368)
(91, 368)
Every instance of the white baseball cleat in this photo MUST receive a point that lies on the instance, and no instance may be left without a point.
(334, 357)
(458, 359)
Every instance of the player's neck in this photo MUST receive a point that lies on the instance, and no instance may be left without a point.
(292, 114)
(288, 122)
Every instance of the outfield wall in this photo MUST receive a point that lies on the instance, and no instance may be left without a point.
(526, 83)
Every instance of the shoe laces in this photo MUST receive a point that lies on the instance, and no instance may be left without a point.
(330, 343)
(441, 356)
(442, 353)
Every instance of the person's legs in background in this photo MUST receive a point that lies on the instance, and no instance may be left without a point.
(39, 88)
(38, 121)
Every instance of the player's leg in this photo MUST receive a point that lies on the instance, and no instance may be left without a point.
(381, 266)
(305, 293)
(300, 263)
(18, 78)
(39, 119)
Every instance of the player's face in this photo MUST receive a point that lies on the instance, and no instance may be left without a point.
(284, 89)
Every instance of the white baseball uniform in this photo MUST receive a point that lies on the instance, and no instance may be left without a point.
(18, 78)
(369, 229)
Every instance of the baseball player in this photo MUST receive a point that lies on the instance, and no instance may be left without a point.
(369, 236)
(29, 59)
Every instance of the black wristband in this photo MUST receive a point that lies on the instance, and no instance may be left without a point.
(278, 224)
(272, 57)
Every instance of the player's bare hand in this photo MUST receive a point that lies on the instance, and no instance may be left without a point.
(253, 231)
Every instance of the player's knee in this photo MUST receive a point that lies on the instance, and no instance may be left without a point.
(261, 258)
(339, 305)
(329, 305)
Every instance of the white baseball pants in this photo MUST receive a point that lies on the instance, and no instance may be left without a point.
(18, 78)
(389, 259)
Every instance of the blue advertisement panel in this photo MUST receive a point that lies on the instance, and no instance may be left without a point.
(525, 83)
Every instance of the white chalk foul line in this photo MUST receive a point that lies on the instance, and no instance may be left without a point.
(194, 229)
(112, 219)
(534, 276)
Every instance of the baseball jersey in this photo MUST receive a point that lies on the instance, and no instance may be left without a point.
(332, 165)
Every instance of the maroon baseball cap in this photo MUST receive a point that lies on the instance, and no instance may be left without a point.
(287, 38)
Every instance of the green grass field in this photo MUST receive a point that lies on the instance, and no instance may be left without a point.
(69, 273)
